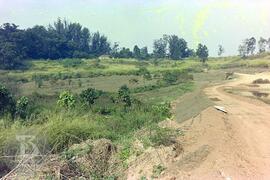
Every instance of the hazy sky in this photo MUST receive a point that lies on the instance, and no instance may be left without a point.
(130, 22)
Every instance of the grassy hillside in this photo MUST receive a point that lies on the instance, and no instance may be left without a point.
(114, 115)
(87, 68)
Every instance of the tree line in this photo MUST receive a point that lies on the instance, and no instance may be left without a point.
(248, 46)
(63, 39)
(60, 40)
(169, 46)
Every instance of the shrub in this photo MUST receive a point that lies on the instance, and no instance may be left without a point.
(161, 136)
(133, 81)
(66, 100)
(147, 75)
(21, 107)
(77, 75)
(145, 88)
(89, 96)
(7, 103)
(124, 95)
(96, 64)
(104, 110)
(71, 62)
(163, 109)
(175, 77)
(157, 170)
(142, 70)
(170, 77)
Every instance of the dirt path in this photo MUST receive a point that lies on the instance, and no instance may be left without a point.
(243, 148)
(218, 145)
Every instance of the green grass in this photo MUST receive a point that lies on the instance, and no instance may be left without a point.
(63, 128)
(165, 94)
(105, 83)
(109, 118)
(127, 66)
(192, 103)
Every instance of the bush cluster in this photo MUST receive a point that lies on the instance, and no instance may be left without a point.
(9, 105)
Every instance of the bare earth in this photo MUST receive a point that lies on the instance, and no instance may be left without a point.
(217, 145)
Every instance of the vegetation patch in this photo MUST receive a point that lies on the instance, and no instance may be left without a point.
(261, 81)
(157, 170)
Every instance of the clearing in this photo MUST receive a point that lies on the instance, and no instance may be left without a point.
(217, 145)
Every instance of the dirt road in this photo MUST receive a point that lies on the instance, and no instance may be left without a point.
(243, 148)
(217, 145)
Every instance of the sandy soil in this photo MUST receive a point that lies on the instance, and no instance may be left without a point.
(217, 145)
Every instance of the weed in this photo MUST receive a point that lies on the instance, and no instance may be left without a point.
(161, 136)
(157, 170)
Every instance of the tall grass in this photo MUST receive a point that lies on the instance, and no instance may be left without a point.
(62, 128)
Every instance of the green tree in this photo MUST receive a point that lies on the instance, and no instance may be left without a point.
(60, 40)
(7, 103)
(144, 53)
(37, 39)
(136, 52)
(21, 107)
(251, 45)
(177, 47)
(67, 100)
(221, 50)
(247, 47)
(262, 43)
(12, 48)
(268, 44)
(89, 96)
(9, 56)
(190, 53)
(243, 50)
(115, 50)
(99, 45)
(124, 95)
(202, 52)
(125, 53)
(159, 48)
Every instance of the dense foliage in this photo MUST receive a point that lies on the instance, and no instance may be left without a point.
(66, 100)
(89, 96)
(202, 52)
(124, 95)
(12, 48)
(248, 46)
(64, 39)
(7, 103)
(60, 40)
(21, 107)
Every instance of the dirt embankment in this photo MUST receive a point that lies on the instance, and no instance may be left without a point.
(217, 145)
